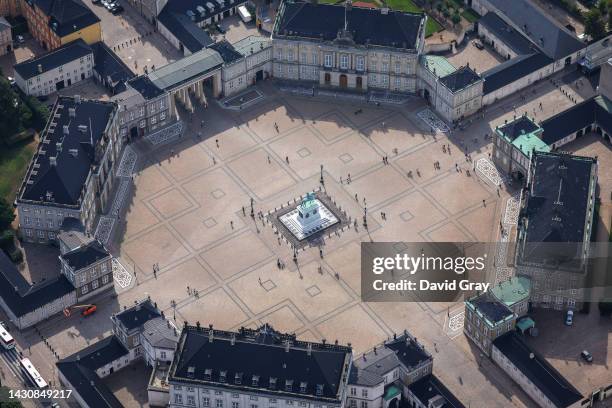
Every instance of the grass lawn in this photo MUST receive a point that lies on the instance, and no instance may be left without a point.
(470, 15)
(408, 5)
(13, 165)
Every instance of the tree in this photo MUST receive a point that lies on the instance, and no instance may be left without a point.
(7, 215)
(456, 18)
(594, 24)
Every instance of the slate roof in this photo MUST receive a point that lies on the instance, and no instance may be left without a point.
(20, 296)
(460, 79)
(67, 16)
(160, 333)
(255, 357)
(63, 182)
(183, 28)
(512, 70)
(145, 87)
(516, 41)
(227, 51)
(370, 367)
(555, 210)
(430, 387)
(594, 110)
(252, 42)
(185, 69)
(79, 370)
(137, 315)
(555, 41)
(367, 26)
(110, 67)
(86, 255)
(520, 126)
(490, 308)
(51, 60)
(546, 378)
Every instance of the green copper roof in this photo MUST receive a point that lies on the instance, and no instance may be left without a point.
(439, 64)
(527, 143)
(391, 392)
(512, 291)
(525, 324)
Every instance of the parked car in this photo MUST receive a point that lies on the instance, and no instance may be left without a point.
(586, 356)
(219, 29)
(95, 1)
(117, 9)
(11, 81)
(20, 39)
(478, 44)
(569, 318)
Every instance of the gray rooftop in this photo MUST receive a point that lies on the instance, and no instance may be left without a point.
(185, 69)
(555, 41)
(252, 44)
(160, 333)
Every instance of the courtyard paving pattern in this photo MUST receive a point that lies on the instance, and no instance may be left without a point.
(188, 210)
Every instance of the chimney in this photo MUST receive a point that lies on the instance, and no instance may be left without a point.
(233, 340)
(52, 161)
(309, 349)
(40, 70)
(72, 112)
(210, 335)
(66, 129)
(287, 346)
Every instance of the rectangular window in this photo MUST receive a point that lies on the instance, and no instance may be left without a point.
(105, 279)
(206, 402)
(344, 61)
(84, 289)
(219, 403)
(94, 284)
(328, 60)
(360, 63)
(364, 393)
(235, 404)
(385, 66)
(191, 400)
(178, 398)
(162, 354)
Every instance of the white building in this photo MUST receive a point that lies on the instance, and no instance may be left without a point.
(534, 375)
(72, 173)
(158, 338)
(55, 70)
(352, 48)
(258, 53)
(256, 368)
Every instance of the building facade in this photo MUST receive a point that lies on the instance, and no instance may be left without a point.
(554, 229)
(257, 51)
(513, 144)
(295, 373)
(128, 325)
(344, 54)
(72, 173)
(57, 22)
(486, 318)
(89, 268)
(55, 70)
(6, 37)
(10, 8)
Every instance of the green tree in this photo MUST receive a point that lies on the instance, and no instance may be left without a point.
(7, 214)
(594, 24)
(456, 18)
(5, 401)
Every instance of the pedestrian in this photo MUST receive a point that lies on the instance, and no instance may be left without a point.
(188, 290)
(356, 199)
(287, 159)
(214, 160)
(341, 180)
(232, 224)
(217, 142)
(484, 204)
(269, 159)
(243, 212)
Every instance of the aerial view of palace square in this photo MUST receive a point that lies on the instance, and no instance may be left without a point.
(185, 207)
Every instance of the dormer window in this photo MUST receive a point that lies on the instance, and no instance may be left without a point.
(272, 383)
(222, 376)
(289, 385)
(190, 371)
(255, 381)
(207, 374)
(319, 390)
(238, 378)
(303, 387)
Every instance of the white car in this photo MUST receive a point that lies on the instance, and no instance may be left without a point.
(569, 318)
(11, 81)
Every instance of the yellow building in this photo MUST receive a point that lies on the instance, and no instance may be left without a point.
(54, 23)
